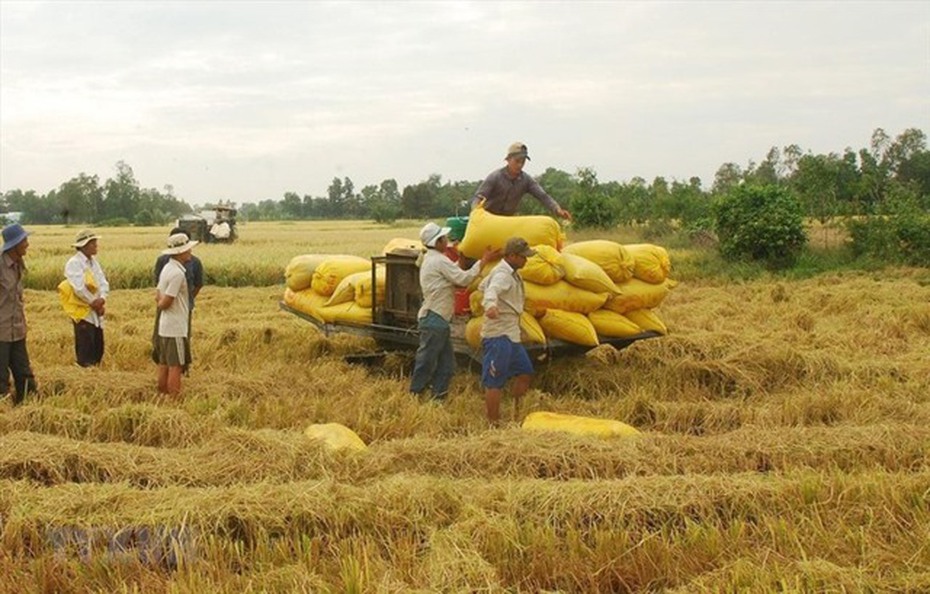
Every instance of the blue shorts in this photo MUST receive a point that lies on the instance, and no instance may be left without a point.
(502, 360)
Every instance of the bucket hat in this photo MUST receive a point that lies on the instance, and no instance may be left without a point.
(178, 244)
(431, 232)
(13, 235)
(84, 237)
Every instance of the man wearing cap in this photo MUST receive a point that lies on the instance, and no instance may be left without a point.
(435, 361)
(171, 345)
(14, 358)
(90, 288)
(504, 188)
(504, 354)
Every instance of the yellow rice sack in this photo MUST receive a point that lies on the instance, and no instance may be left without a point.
(647, 320)
(652, 263)
(485, 271)
(306, 301)
(487, 229)
(585, 274)
(606, 428)
(530, 331)
(612, 257)
(545, 267)
(347, 313)
(298, 274)
(363, 292)
(357, 287)
(473, 332)
(613, 325)
(636, 294)
(474, 303)
(329, 274)
(399, 243)
(76, 308)
(335, 436)
(569, 326)
(561, 295)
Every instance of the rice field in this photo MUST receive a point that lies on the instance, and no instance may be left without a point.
(786, 434)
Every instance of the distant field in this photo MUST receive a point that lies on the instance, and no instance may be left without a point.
(256, 259)
(785, 449)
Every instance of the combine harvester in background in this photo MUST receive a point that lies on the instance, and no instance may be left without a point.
(212, 224)
(578, 297)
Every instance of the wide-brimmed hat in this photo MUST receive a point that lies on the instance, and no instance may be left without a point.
(84, 237)
(178, 244)
(431, 232)
(517, 246)
(13, 235)
(518, 149)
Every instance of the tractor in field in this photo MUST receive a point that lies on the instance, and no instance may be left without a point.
(213, 224)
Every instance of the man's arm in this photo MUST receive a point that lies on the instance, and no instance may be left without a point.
(198, 274)
(546, 200)
(485, 190)
(497, 283)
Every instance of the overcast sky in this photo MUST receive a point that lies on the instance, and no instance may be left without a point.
(247, 100)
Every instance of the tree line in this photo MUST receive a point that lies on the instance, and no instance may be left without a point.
(891, 173)
(84, 199)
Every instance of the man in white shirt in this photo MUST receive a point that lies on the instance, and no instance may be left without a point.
(504, 356)
(171, 345)
(435, 360)
(89, 284)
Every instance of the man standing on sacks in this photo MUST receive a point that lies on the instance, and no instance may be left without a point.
(435, 360)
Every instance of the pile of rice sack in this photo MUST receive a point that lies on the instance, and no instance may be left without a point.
(575, 292)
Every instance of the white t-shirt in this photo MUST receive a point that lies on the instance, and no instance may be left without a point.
(173, 321)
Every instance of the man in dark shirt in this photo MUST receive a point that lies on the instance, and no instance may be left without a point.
(503, 189)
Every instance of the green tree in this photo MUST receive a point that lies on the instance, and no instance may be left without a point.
(80, 199)
(764, 223)
(591, 206)
(418, 201)
(121, 194)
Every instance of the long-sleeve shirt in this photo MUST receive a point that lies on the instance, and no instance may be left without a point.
(502, 193)
(12, 312)
(503, 288)
(438, 276)
(75, 271)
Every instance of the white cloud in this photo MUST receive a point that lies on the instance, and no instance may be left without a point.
(274, 96)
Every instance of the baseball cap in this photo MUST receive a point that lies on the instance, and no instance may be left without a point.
(518, 149)
(517, 246)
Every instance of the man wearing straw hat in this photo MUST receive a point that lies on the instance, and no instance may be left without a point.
(14, 358)
(90, 288)
(171, 345)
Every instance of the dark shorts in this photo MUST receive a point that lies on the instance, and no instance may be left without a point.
(173, 351)
(502, 360)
